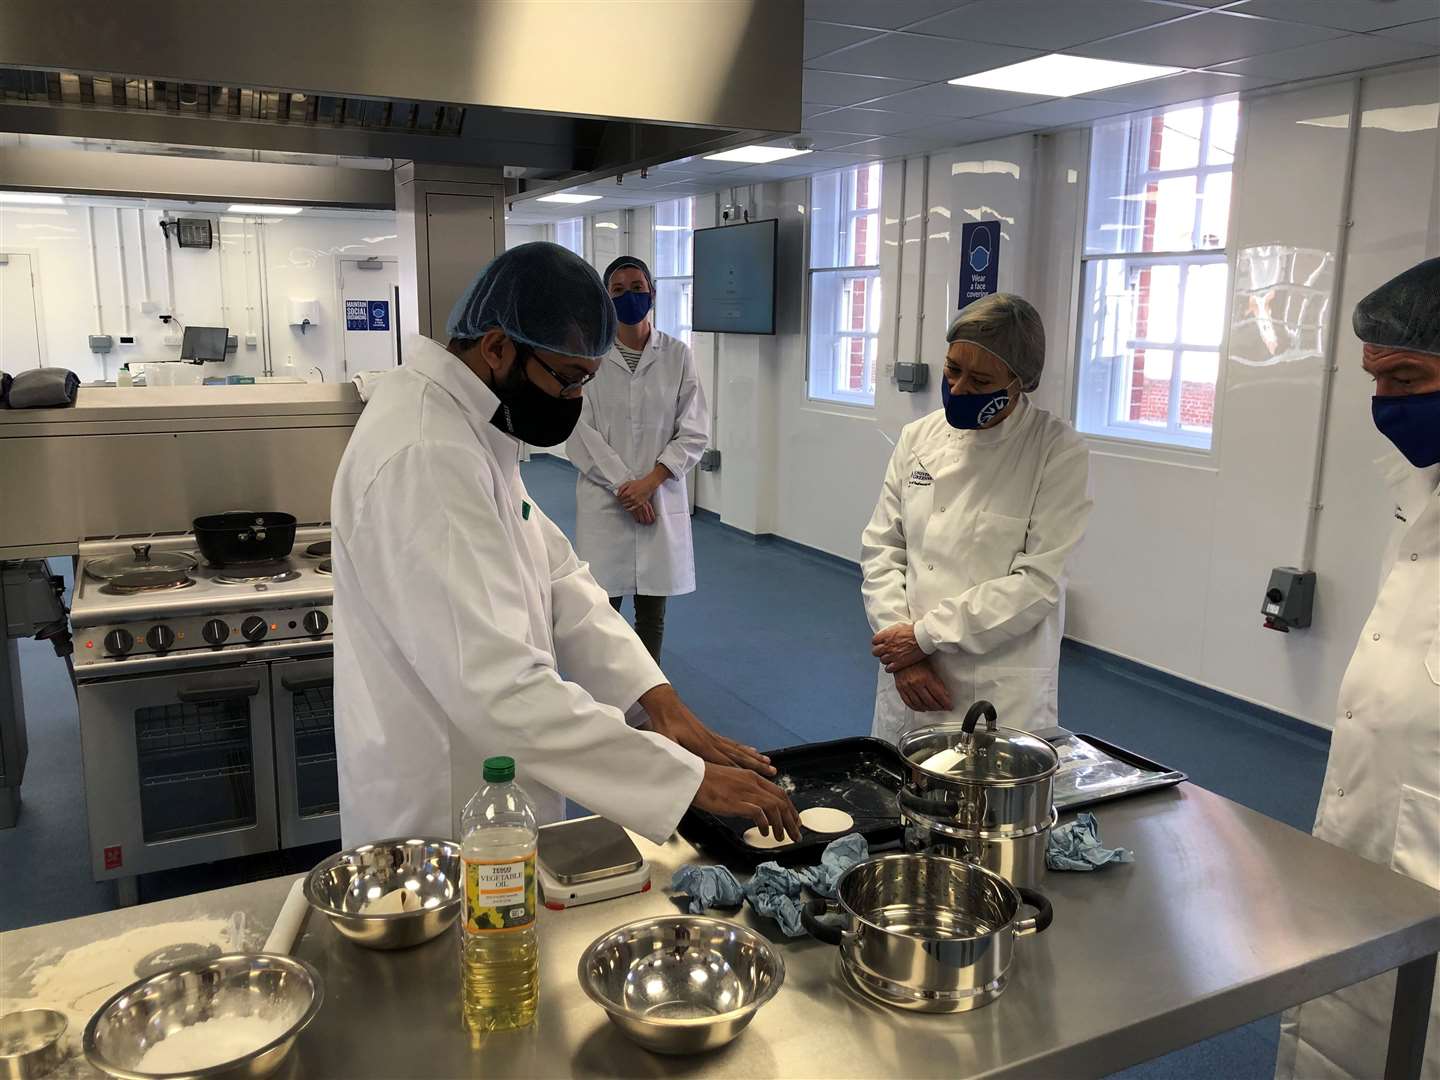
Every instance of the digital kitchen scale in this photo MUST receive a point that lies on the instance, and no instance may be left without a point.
(586, 860)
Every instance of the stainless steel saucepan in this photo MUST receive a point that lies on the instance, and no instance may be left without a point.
(927, 932)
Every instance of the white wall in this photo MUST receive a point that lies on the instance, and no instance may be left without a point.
(515, 235)
(221, 286)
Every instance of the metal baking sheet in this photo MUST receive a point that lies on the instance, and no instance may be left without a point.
(861, 776)
(1094, 771)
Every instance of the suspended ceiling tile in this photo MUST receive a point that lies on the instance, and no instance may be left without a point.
(841, 88)
(1187, 86)
(1426, 32)
(1212, 37)
(919, 56)
(867, 122)
(881, 14)
(1344, 14)
(1058, 113)
(824, 140)
(1353, 53)
(927, 141)
(942, 99)
(1046, 24)
(823, 37)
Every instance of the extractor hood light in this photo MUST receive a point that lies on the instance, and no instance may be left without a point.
(1059, 75)
(567, 197)
(25, 198)
(257, 209)
(756, 155)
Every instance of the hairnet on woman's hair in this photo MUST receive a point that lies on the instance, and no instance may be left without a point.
(540, 294)
(1006, 326)
(1404, 313)
(628, 260)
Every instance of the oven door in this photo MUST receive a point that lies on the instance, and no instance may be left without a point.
(303, 693)
(179, 769)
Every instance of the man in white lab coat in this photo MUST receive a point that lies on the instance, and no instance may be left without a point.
(964, 558)
(642, 429)
(465, 626)
(1381, 797)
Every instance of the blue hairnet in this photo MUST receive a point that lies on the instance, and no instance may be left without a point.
(540, 294)
(628, 260)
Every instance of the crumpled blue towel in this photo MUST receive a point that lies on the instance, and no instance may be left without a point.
(1076, 846)
(773, 890)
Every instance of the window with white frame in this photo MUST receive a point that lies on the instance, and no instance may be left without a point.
(845, 284)
(674, 266)
(570, 233)
(1154, 294)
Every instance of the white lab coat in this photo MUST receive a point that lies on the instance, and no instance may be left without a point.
(1381, 797)
(969, 541)
(458, 606)
(630, 423)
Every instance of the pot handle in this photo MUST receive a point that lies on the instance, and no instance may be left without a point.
(979, 709)
(1044, 913)
(908, 800)
(810, 919)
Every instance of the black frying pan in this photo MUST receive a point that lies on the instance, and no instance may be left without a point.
(244, 536)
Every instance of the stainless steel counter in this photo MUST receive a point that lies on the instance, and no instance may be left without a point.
(1226, 916)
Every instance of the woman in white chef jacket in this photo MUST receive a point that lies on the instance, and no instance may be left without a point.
(964, 558)
(642, 429)
(1381, 797)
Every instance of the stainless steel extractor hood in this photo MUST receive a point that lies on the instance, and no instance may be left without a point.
(559, 90)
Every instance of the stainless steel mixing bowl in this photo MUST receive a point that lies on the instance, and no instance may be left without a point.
(681, 984)
(345, 883)
(144, 1014)
(30, 1044)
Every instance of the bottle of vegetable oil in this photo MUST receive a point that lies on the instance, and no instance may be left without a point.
(500, 952)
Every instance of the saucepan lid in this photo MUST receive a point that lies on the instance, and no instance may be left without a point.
(140, 559)
(967, 752)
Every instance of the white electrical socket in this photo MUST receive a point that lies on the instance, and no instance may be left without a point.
(172, 339)
(250, 341)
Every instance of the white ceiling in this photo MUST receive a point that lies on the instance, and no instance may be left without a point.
(876, 71)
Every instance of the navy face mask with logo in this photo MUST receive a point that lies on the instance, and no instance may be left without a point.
(969, 412)
(631, 307)
(1412, 423)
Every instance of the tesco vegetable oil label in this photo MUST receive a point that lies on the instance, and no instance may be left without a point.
(499, 895)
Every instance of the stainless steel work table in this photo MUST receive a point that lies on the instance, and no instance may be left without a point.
(1226, 916)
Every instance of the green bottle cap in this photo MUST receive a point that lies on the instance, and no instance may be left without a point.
(499, 770)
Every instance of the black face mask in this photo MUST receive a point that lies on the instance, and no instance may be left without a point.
(528, 413)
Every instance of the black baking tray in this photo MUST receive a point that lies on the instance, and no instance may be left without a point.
(1154, 775)
(861, 776)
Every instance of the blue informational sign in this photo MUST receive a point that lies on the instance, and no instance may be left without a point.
(979, 260)
(367, 315)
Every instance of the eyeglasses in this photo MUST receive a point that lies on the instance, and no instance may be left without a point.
(566, 385)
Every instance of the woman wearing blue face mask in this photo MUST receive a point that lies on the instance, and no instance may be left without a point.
(964, 558)
(643, 426)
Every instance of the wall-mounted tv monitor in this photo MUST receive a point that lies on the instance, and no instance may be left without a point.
(734, 288)
(202, 344)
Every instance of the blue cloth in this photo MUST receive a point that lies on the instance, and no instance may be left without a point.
(1076, 846)
(540, 294)
(773, 890)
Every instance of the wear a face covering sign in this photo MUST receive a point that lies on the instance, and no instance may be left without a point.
(979, 260)
(367, 314)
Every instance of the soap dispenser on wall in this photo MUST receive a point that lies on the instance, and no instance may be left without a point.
(304, 312)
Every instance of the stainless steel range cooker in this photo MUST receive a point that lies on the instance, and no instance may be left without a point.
(206, 703)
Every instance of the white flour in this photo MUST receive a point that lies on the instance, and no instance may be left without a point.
(212, 1042)
(78, 981)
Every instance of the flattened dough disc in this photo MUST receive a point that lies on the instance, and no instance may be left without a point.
(826, 819)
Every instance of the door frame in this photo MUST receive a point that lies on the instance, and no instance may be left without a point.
(33, 254)
(340, 260)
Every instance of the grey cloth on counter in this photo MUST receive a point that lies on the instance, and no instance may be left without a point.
(41, 388)
(773, 890)
(1076, 846)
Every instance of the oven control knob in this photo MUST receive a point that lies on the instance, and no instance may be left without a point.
(119, 642)
(253, 628)
(315, 622)
(215, 632)
(160, 638)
